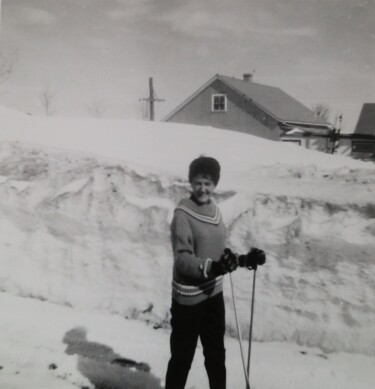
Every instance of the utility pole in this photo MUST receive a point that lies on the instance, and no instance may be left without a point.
(335, 134)
(151, 99)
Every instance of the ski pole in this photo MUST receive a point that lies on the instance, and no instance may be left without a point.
(251, 328)
(239, 333)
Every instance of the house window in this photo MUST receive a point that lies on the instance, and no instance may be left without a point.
(363, 147)
(219, 103)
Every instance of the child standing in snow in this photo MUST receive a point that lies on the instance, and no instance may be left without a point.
(200, 260)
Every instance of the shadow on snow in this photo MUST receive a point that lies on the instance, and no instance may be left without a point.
(104, 368)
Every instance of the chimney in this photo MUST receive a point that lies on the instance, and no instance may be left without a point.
(248, 77)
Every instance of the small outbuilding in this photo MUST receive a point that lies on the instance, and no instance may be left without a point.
(359, 145)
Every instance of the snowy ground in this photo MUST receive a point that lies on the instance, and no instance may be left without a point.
(51, 346)
(86, 263)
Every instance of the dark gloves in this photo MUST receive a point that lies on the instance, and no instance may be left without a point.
(229, 261)
(252, 259)
(226, 264)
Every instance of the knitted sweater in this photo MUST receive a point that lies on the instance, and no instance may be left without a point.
(198, 237)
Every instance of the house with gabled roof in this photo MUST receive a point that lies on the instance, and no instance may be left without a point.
(361, 143)
(245, 106)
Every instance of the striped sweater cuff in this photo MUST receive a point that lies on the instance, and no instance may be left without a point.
(206, 267)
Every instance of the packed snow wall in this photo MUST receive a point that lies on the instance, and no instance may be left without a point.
(318, 285)
(93, 234)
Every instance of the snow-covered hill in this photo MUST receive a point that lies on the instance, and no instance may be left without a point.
(85, 210)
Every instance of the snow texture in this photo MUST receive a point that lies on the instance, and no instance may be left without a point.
(84, 223)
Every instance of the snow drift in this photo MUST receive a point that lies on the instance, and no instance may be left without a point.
(88, 226)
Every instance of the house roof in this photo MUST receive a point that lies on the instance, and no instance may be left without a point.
(304, 131)
(366, 120)
(278, 103)
(273, 100)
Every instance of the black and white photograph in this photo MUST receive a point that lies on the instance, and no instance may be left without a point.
(187, 194)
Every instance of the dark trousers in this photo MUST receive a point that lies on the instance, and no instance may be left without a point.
(207, 321)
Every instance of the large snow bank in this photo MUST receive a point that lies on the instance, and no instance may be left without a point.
(87, 224)
(166, 146)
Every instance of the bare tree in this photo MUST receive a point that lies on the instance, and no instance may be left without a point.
(47, 98)
(322, 110)
(7, 61)
(97, 108)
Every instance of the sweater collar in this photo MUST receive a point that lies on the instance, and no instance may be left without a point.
(204, 212)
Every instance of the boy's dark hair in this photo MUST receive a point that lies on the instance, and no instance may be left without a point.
(206, 166)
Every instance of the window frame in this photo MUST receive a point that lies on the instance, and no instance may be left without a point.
(218, 95)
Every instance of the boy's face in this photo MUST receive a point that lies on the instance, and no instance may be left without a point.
(203, 188)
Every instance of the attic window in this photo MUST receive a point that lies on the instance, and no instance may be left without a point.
(219, 103)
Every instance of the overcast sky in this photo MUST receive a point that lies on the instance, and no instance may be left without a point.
(90, 53)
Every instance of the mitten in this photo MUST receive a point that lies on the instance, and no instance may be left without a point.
(226, 264)
(252, 259)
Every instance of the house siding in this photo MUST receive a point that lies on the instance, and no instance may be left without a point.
(241, 115)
